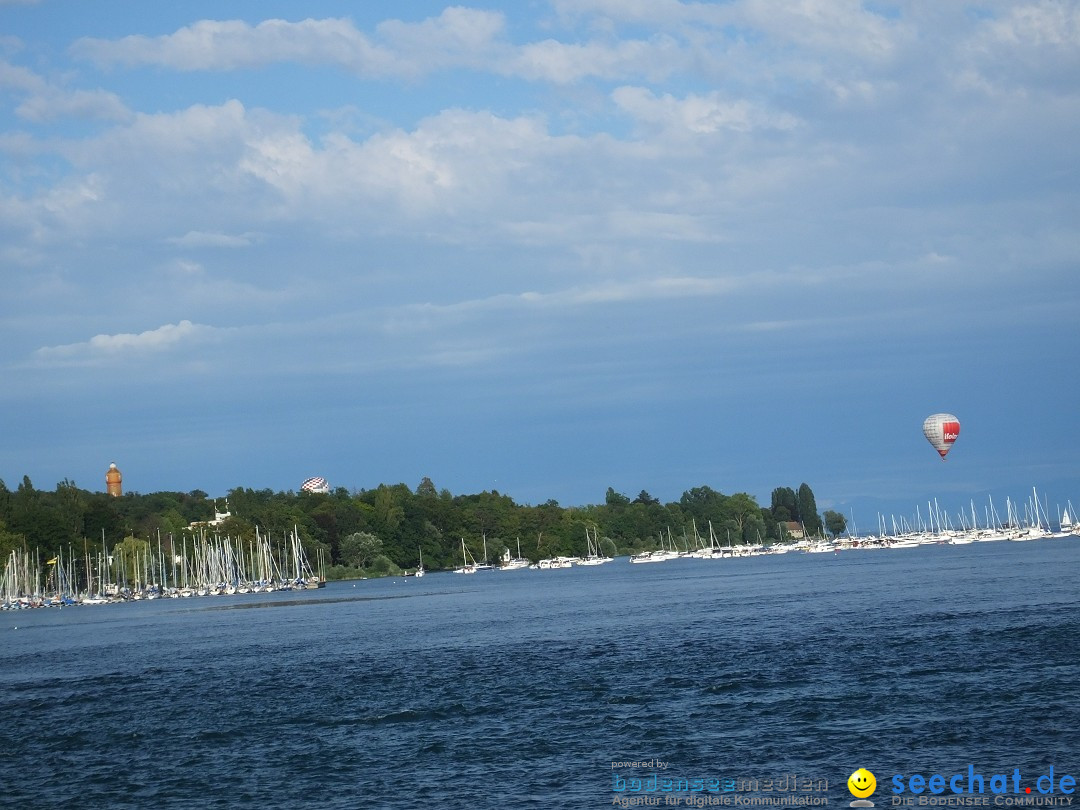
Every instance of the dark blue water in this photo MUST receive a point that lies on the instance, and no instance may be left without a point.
(520, 689)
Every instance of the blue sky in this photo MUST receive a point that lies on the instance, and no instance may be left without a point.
(543, 248)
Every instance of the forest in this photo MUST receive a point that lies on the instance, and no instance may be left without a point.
(385, 530)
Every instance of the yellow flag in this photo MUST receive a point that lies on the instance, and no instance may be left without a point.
(53, 561)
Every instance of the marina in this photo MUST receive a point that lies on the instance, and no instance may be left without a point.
(216, 566)
(225, 566)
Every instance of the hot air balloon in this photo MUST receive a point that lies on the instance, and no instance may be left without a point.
(941, 430)
(317, 484)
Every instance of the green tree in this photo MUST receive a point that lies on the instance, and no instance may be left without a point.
(785, 505)
(36, 516)
(102, 519)
(808, 513)
(384, 566)
(704, 504)
(172, 522)
(129, 558)
(746, 515)
(9, 541)
(5, 501)
(426, 489)
(70, 504)
(613, 498)
(360, 548)
(835, 522)
(388, 509)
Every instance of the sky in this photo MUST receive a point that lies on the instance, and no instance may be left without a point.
(544, 248)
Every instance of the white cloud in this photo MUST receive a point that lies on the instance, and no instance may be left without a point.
(46, 101)
(651, 289)
(1047, 24)
(643, 12)
(234, 44)
(688, 37)
(81, 104)
(607, 292)
(200, 239)
(14, 77)
(224, 173)
(564, 63)
(105, 348)
(697, 114)
(458, 36)
(184, 269)
(826, 26)
(1034, 46)
(456, 161)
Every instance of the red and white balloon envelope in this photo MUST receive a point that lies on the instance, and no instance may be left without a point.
(941, 430)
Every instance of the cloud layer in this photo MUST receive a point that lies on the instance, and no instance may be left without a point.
(706, 207)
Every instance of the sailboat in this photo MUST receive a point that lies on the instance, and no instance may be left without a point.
(513, 563)
(593, 555)
(660, 555)
(1067, 524)
(483, 565)
(467, 568)
(419, 572)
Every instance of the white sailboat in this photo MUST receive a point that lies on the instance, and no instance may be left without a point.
(1068, 522)
(513, 563)
(555, 562)
(484, 565)
(467, 567)
(593, 555)
(663, 554)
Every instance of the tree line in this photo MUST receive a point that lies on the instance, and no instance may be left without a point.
(387, 529)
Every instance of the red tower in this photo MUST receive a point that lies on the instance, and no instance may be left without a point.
(112, 481)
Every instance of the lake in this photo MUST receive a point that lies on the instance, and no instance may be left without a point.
(559, 688)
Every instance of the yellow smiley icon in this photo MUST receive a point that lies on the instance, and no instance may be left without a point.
(861, 783)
